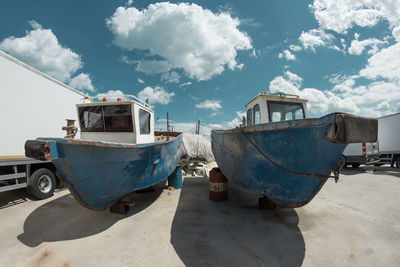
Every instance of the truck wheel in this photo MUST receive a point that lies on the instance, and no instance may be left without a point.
(398, 162)
(42, 183)
(355, 165)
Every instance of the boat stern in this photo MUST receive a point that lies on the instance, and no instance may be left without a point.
(41, 150)
(350, 128)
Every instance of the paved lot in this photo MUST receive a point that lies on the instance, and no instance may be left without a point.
(355, 222)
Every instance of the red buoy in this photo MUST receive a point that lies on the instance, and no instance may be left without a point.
(218, 185)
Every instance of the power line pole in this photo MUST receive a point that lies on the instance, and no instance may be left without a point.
(167, 122)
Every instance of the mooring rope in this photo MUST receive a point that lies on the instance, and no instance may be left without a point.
(283, 168)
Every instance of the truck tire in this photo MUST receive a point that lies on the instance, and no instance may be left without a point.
(398, 162)
(355, 165)
(42, 183)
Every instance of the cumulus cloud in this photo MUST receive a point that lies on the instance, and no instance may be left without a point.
(40, 48)
(295, 48)
(209, 104)
(384, 64)
(153, 66)
(314, 38)
(170, 77)
(140, 80)
(82, 82)
(287, 54)
(320, 102)
(187, 36)
(341, 15)
(156, 95)
(357, 47)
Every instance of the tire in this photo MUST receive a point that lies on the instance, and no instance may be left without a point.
(397, 163)
(42, 183)
(355, 165)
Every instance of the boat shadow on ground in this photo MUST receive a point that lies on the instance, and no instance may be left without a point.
(234, 232)
(65, 219)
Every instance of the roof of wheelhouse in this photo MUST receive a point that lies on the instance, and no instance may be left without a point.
(279, 96)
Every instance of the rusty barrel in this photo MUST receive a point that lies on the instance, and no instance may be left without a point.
(218, 185)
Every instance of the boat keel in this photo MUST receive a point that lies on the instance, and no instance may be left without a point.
(266, 203)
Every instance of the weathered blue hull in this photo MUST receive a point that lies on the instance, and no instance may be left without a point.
(98, 174)
(286, 161)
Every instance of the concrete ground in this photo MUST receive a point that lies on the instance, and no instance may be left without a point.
(355, 222)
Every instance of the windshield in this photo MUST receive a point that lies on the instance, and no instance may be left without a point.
(283, 111)
(108, 118)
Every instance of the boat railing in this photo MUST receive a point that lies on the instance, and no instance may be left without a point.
(281, 94)
(121, 97)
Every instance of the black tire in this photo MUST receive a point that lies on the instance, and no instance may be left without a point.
(355, 165)
(397, 163)
(42, 183)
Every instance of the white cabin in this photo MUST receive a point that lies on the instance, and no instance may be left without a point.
(127, 122)
(272, 107)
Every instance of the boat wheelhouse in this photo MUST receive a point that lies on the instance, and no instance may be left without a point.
(273, 107)
(125, 121)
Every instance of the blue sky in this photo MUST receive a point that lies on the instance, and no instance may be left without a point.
(204, 60)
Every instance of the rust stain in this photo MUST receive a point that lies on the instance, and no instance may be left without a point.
(44, 257)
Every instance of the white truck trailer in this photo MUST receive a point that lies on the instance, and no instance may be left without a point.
(360, 153)
(389, 140)
(32, 104)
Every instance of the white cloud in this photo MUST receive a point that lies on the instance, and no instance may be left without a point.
(396, 33)
(82, 82)
(185, 84)
(384, 64)
(153, 66)
(209, 104)
(197, 40)
(140, 80)
(41, 49)
(314, 38)
(341, 15)
(171, 77)
(295, 48)
(287, 54)
(216, 126)
(357, 47)
(319, 103)
(156, 95)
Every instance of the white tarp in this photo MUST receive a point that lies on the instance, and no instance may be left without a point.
(197, 146)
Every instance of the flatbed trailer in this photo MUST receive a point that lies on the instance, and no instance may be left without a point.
(32, 104)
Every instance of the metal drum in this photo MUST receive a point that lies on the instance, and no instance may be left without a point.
(218, 185)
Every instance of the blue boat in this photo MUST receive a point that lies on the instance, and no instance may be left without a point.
(281, 154)
(118, 153)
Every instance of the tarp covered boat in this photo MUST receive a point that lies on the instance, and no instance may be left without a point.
(281, 154)
(116, 154)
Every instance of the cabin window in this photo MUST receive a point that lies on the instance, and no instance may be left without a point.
(110, 118)
(144, 121)
(249, 116)
(279, 111)
(91, 119)
(118, 118)
(257, 117)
